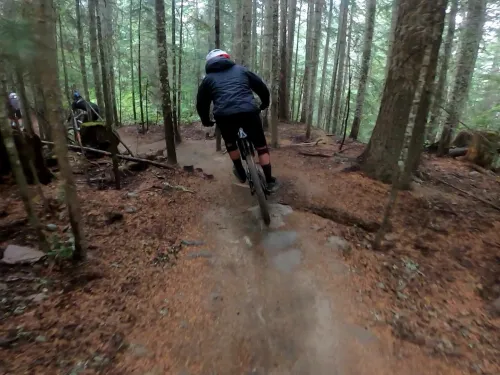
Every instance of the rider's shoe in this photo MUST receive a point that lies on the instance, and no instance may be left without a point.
(237, 175)
(273, 186)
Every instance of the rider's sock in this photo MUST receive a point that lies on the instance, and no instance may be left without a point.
(239, 168)
(267, 172)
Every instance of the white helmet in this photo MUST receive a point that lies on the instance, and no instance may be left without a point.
(217, 53)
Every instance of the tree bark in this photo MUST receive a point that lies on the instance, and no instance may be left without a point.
(340, 73)
(254, 42)
(275, 75)
(218, 137)
(179, 84)
(469, 47)
(307, 67)
(414, 32)
(237, 38)
(371, 7)
(139, 68)
(291, 37)
(104, 48)
(63, 57)
(246, 33)
(81, 50)
(174, 75)
(268, 50)
(94, 54)
(131, 62)
(283, 105)
(342, 21)
(325, 62)
(392, 31)
(295, 117)
(314, 65)
(47, 55)
(161, 41)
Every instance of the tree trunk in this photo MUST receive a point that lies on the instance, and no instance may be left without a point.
(295, 117)
(268, 50)
(392, 31)
(139, 68)
(131, 61)
(443, 72)
(109, 5)
(63, 57)
(283, 105)
(174, 75)
(104, 48)
(218, 137)
(325, 62)
(416, 144)
(340, 73)
(246, 33)
(254, 41)
(23, 98)
(314, 66)
(179, 84)
(371, 6)
(414, 31)
(161, 41)
(46, 38)
(81, 50)
(469, 47)
(342, 21)
(275, 75)
(94, 55)
(307, 67)
(291, 37)
(237, 39)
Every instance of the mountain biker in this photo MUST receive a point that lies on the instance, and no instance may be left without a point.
(91, 109)
(14, 109)
(230, 87)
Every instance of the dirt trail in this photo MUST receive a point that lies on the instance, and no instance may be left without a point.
(281, 297)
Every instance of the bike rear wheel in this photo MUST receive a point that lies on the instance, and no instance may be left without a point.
(261, 195)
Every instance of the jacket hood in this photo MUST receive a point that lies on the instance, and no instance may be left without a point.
(218, 64)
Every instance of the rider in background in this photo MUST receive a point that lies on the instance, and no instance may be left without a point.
(230, 87)
(91, 108)
(14, 110)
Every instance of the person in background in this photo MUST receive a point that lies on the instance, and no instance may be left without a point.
(14, 110)
(91, 109)
(230, 87)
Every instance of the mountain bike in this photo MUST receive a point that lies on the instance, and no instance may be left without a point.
(255, 175)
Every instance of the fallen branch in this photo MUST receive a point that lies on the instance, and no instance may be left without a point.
(470, 194)
(168, 186)
(123, 157)
(317, 154)
(304, 144)
(460, 151)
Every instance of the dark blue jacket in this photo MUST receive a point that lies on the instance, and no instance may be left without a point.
(229, 86)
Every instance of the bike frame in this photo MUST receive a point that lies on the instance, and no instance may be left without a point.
(246, 148)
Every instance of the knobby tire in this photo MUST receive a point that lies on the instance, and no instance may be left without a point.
(261, 196)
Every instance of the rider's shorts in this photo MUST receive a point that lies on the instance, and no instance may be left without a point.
(251, 124)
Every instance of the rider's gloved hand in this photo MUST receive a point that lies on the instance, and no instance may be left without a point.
(209, 124)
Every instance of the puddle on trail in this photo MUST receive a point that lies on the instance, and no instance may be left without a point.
(287, 261)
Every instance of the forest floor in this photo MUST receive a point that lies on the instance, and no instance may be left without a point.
(186, 279)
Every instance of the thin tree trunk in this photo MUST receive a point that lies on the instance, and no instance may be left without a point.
(179, 84)
(104, 41)
(283, 105)
(342, 20)
(174, 75)
(132, 80)
(81, 50)
(314, 65)
(139, 67)
(161, 41)
(218, 137)
(392, 32)
(237, 39)
(291, 37)
(63, 57)
(307, 67)
(94, 56)
(246, 33)
(371, 6)
(472, 34)
(48, 68)
(295, 67)
(443, 72)
(254, 42)
(275, 75)
(340, 73)
(108, 23)
(325, 62)
(25, 107)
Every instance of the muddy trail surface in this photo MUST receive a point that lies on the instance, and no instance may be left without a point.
(280, 296)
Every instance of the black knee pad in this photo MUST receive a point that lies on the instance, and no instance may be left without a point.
(263, 150)
(231, 147)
